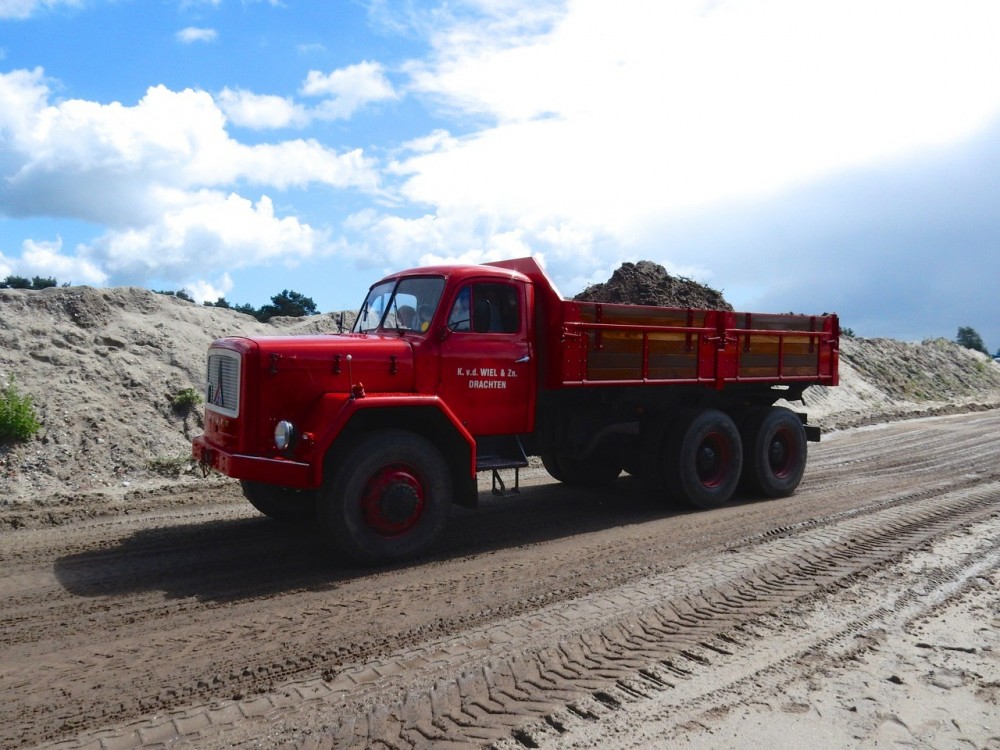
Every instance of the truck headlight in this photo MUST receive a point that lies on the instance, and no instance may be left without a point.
(284, 435)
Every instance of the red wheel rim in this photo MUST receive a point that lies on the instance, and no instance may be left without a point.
(393, 500)
(781, 454)
(712, 460)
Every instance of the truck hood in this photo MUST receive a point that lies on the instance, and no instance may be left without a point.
(331, 362)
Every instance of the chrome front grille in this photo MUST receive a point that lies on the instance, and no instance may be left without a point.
(222, 389)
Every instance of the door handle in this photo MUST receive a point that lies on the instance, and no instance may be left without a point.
(522, 360)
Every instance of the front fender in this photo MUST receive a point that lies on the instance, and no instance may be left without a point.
(346, 419)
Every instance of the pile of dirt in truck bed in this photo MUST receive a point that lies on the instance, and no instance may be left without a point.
(648, 283)
(104, 366)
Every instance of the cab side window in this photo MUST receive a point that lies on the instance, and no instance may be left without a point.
(486, 307)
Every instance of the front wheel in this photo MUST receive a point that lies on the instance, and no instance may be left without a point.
(280, 503)
(703, 457)
(774, 451)
(387, 500)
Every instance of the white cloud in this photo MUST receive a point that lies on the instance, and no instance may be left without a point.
(438, 140)
(300, 163)
(602, 124)
(208, 291)
(312, 48)
(349, 89)
(110, 163)
(260, 111)
(193, 34)
(200, 234)
(395, 241)
(158, 176)
(21, 9)
(342, 93)
(391, 241)
(46, 259)
(617, 115)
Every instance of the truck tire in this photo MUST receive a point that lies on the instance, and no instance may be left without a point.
(551, 463)
(702, 458)
(594, 471)
(280, 503)
(774, 451)
(387, 499)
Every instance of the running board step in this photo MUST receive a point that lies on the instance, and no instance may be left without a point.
(499, 452)
(495, 452)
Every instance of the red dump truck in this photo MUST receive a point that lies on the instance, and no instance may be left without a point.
(449, 371)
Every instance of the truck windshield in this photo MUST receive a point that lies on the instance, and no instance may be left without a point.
(407, 305)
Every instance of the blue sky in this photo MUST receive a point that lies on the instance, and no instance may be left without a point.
(800, 155)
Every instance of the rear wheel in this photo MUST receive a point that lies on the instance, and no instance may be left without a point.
(280, 503)
(387, 500)
(774, 451)
(702, 458)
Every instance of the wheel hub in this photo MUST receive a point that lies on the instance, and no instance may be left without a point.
(398, 503)
(780, 455)
(393, 501)
(712, 460)
(708, 457)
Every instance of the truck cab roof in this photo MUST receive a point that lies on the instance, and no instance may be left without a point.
(460, 272)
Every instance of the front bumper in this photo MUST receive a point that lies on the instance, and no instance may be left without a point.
(279, 471)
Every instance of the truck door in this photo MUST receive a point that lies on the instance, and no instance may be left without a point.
(487, 363)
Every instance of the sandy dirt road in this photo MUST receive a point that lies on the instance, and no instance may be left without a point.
(861, 611)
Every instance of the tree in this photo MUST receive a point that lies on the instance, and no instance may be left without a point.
(292, 304)
(180, 294)
(970, 339)
(246, 309)
(221, 302)
(16, 282)
(22, 282)
(37, 282)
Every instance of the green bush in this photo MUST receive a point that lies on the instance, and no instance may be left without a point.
(169, 465)
(18, 421)
(185, 400)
